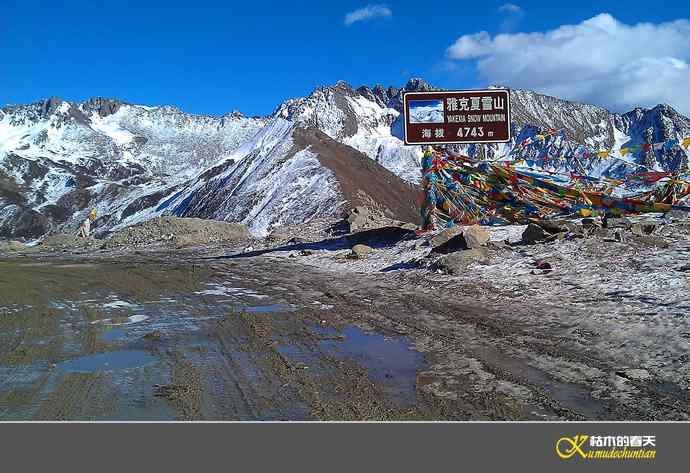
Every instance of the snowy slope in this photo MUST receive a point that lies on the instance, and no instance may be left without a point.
(59, 159)
(265, 182)
(285, 175)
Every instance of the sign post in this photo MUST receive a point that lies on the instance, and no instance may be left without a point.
(457, 116)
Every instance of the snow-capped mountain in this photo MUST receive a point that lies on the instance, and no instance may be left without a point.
(426, 114)
(314, 156)
(592, 128)
(288, 174)
(58, 159)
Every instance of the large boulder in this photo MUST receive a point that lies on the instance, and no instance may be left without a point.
(554, 227)
(358, 218)
(443, 236)
(475, 236)
(533, 234)
(460, 238)
(458, 262)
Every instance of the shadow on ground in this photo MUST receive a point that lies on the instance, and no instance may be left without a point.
(376, 238)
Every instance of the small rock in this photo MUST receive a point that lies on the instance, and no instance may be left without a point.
(533, 234)
(643, 228)
(617, 236)
(419, 244)
(618, 223)
(598, 232)
(541, 264)
(360, 251)
(154, 336)
(305, 252)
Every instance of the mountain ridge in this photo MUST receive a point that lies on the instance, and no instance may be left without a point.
(58, 158)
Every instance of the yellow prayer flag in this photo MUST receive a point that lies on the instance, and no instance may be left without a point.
(686, 142)
(603, 154)
(625, 151)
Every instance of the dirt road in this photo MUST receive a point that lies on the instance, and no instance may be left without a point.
(166, 337)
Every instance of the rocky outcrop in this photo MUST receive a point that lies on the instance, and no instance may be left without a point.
(460, 238)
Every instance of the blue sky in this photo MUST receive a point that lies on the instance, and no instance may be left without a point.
(217, 56)
(426, 103)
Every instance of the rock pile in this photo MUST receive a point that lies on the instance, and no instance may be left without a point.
(460, 247)
(179, 232)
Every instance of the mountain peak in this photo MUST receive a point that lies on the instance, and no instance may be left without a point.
(50, 105)
(341, 84)
(103, 106)
(417, 84)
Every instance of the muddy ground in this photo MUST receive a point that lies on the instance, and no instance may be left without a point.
(297, 329)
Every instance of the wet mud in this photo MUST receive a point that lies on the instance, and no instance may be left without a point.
(185, 337)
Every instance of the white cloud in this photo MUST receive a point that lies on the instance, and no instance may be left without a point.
(509, 8)
(512, 15)
(367, 13)
(600, 60)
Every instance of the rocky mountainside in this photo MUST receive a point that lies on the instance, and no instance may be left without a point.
(314, 156)
(59, 159)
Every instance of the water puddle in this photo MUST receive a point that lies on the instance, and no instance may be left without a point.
(388, 360)
(116, 360)
(267, 309)
(572, 396)
(132, 319)
(118, 304)
(112, 335)
(215, 289)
